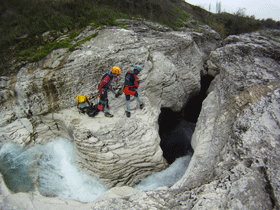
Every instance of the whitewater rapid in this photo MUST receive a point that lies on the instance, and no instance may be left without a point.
(52, 170)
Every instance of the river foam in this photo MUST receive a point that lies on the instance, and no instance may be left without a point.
(52, 170)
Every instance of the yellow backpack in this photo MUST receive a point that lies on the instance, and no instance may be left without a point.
(81, 98)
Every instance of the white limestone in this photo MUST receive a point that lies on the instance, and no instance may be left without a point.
(235, 164)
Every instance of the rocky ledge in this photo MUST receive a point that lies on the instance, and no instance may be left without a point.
(236, 139)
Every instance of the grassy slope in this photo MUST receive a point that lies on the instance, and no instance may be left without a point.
(22, 22)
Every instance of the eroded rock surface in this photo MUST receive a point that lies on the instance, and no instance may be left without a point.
(39, 102)
(236, 139)
(233, 137)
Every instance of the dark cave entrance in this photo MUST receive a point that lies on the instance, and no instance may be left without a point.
(176, 128)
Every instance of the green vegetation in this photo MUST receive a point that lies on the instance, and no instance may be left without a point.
(22, 22)
(83, 41)
(237, 24)
(33, 17)
(232, 24)
(34, 53)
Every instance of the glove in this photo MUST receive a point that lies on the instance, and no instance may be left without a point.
(119, 93)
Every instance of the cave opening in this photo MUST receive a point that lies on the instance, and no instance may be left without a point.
(176, 128)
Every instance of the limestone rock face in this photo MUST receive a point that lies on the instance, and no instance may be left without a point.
(39, 103)
(236, 139)
(120, 151)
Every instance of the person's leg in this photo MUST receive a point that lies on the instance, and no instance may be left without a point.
(139, 100)
(106, 108)
(106, 111)
(127, 97)
(107, 103)
(103, 102)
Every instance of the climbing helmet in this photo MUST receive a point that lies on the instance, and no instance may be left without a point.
(138, 68)
(116, 70)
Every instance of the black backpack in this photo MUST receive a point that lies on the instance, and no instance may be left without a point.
(92, 110)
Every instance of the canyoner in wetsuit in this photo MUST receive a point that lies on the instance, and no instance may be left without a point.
(104, 86)
(130, 87)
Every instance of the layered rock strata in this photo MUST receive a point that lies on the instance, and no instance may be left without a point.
(236, 139)
(39, 103)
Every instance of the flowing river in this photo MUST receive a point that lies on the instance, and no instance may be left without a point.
(52, 170)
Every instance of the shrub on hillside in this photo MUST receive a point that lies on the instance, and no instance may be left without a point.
(237, 24)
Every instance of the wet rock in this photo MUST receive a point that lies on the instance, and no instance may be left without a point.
(236, 139)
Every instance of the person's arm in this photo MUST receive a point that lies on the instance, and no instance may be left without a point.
(136, 84)
(104, 81)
